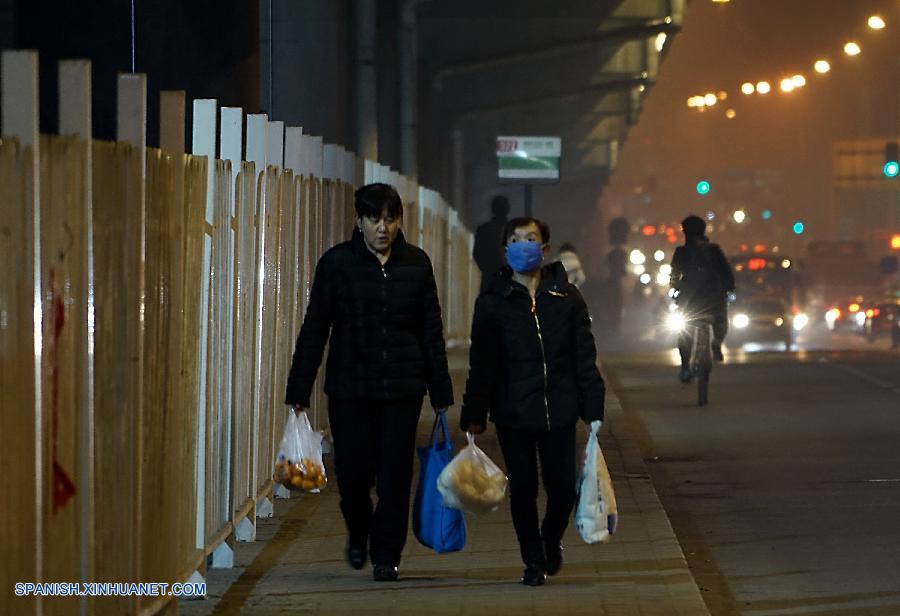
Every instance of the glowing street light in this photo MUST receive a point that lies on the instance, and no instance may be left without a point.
(739, 216)
(876, 22)
(822, 66)
(799, 80)
(852, 49)
(748, 88)
(659, 255)
(763, 87)
(787, 85)
(722, 95)
(730, 114)
(661, 41)
(710, 99)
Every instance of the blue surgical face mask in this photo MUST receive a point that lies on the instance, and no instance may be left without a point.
(524, 257)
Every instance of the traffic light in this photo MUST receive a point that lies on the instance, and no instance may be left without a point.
(799, 227)
(703, 187)
(891, 159)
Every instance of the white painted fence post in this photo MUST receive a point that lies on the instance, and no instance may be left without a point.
(203, 143)
(75, 120)
(19, 83)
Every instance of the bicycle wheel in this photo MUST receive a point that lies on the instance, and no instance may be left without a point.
(704, 363)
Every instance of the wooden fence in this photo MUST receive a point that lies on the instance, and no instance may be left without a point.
(149, 302)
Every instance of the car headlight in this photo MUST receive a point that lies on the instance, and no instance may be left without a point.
(740, 320)
(860, 318)
(674, 322)
(800, 321)
(779, 322)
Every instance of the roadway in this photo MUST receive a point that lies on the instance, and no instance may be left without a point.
(784, 493)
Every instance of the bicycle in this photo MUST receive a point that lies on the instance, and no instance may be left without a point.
(701, 361)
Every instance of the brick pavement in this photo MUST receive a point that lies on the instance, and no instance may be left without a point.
(296, 565)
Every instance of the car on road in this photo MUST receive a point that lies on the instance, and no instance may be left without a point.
(848, 315)
(764, 320)
(883, 321)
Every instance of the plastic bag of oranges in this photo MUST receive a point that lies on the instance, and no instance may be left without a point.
(298, 465)
(471, 481)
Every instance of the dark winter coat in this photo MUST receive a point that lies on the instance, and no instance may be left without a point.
(533, 365)
(387, 339)
(488, 249)
(702, 276)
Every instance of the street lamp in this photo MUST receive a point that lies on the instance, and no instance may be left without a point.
(822, 66)
(739, 216)
(799, 80)
(876, 22)
(730, 114)
(763, 87)
(787, 85)
(710, 99)
(852, 48)
(748, 88)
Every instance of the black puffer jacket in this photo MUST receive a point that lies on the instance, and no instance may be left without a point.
(533, 366)
(387, 337)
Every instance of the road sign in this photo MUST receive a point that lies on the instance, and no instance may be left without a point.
(528, 158)
(861, 164)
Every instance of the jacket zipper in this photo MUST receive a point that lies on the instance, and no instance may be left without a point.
(537, 324)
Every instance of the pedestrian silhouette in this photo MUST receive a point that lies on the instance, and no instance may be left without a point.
(488, 249)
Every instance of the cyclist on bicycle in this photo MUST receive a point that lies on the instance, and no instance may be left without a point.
(702, 279)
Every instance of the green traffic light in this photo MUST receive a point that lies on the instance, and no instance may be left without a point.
(891, 169)
(703, 187)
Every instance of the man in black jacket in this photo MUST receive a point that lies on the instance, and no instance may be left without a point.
(377, 296)
(533, 367)
(487, 251)
(702, 277)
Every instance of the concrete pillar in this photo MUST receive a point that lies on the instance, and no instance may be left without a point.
(366, 83)
(408, 89)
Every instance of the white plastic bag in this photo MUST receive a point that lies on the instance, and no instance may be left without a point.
(298, 465)
(596, 516)
(471, 481)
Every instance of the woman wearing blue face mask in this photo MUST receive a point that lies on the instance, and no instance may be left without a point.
(533, 369)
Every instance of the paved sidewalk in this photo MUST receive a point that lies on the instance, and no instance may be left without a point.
(296, 566)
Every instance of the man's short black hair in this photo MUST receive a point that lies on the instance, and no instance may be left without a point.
(693, 226)
(524, 221)
(372, 199)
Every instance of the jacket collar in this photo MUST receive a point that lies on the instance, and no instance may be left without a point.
(553, 280)
(359, 245)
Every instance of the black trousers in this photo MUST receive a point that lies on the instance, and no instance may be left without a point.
(556, 450)
(374, 445)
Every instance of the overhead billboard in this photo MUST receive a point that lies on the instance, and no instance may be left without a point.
(529, 158)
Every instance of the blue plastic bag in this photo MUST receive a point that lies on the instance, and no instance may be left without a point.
(437, 527)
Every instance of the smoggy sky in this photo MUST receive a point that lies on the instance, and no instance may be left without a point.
(786, 135)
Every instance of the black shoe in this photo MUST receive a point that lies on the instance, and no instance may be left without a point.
(685, 375)
(717, 352)
(554, 557)
(534, 575)
(385, 573)
(356, 556)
